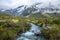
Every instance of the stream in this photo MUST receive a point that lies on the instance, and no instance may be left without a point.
(34, 33)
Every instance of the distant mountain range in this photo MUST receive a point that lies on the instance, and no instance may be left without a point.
(25, 10)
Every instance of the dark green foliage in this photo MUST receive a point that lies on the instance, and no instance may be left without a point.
(37, 15)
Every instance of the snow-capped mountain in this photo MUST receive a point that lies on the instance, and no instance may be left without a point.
(21, 10)
(25, 10)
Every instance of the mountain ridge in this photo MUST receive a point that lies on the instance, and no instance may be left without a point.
(25, 10)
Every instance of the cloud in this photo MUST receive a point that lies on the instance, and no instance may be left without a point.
(15, 3)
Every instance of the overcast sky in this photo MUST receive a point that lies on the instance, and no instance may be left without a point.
(15, 3)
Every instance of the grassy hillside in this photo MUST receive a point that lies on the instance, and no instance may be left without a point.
(11, 26)
(37, 15)
(44, 15)
(54, 14)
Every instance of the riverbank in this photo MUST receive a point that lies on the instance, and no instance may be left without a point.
(33, 34)
(10, 29)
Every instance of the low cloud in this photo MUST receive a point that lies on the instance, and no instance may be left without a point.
(15, 3)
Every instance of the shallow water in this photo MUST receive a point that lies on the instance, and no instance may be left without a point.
(31, 34)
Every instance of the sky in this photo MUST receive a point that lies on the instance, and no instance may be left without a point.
(16, 3)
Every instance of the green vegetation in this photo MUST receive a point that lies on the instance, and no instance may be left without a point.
(11, 26)
(53, 33)
(44, 15)
(37, 15)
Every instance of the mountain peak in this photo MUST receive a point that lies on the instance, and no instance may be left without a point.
(26, 10)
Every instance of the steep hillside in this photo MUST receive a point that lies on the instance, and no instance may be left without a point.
(37, 15)
(44, 15)
(54, 14)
